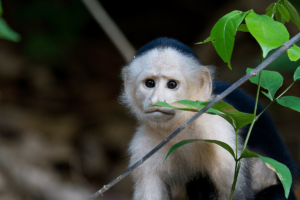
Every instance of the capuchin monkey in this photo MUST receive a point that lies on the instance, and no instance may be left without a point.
(165, 70)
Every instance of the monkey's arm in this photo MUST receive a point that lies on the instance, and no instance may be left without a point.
(149, 184)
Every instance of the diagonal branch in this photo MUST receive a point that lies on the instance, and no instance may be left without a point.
(111, 29)
(218, 98)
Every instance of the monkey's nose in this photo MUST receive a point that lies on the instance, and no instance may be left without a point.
(156, 100)
(151, 102)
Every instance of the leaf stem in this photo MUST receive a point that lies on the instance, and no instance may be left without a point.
(236, 174)
(233, 185)
(286, 90)
(255, 108)
(236, 170)
(263, 111)
(236, 146)
(256, 118)
(273, 101)
(256, 102)
(248, 134)
(257, 93)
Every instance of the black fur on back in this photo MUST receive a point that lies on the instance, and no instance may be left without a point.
(163, 42)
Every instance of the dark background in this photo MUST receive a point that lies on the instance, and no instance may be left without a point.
(63, 134)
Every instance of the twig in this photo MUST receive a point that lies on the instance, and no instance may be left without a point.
(218, 98)
(111, 29)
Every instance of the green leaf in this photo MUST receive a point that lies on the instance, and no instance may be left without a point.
(193, 106)
(270, 7)
(205, 41)
(290, 101)
(243, 27)
(222, 34)
(268, 95)
(1, 9)
(270, 80)
(279, 17)
(198, 105)
(282, 171)
(222, 144)
(293, 13)
(163, 104)
(186, 105)
(271, 10)
(184, 142)
(294, 53)
(268, 33)
(297, 74)
(7, 33)
(284, 12)
(240, 119)
(229, 113)
(228, 119)
(248, 154)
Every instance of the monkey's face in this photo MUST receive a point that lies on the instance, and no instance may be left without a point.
(163, 76)
(159, 84)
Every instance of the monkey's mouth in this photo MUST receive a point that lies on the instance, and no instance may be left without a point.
(156, 109)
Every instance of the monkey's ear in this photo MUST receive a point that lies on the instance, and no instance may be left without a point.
(206, 83)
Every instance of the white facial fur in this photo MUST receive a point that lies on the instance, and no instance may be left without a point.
(163, 65)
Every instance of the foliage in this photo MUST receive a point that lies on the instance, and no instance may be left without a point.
(294, 53)
(48, 36)
(269, 34)
(5, 31)
(184, 142)
(291, 102)
(270, 80)
(223, 34)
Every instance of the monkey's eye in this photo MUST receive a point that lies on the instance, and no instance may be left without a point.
(150, 83)
(172, 84)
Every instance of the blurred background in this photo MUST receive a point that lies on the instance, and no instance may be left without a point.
(63, 133)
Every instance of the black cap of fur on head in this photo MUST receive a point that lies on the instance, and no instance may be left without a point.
(167, 42)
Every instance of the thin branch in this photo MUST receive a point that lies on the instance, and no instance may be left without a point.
(111, 29)
(218, 98)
